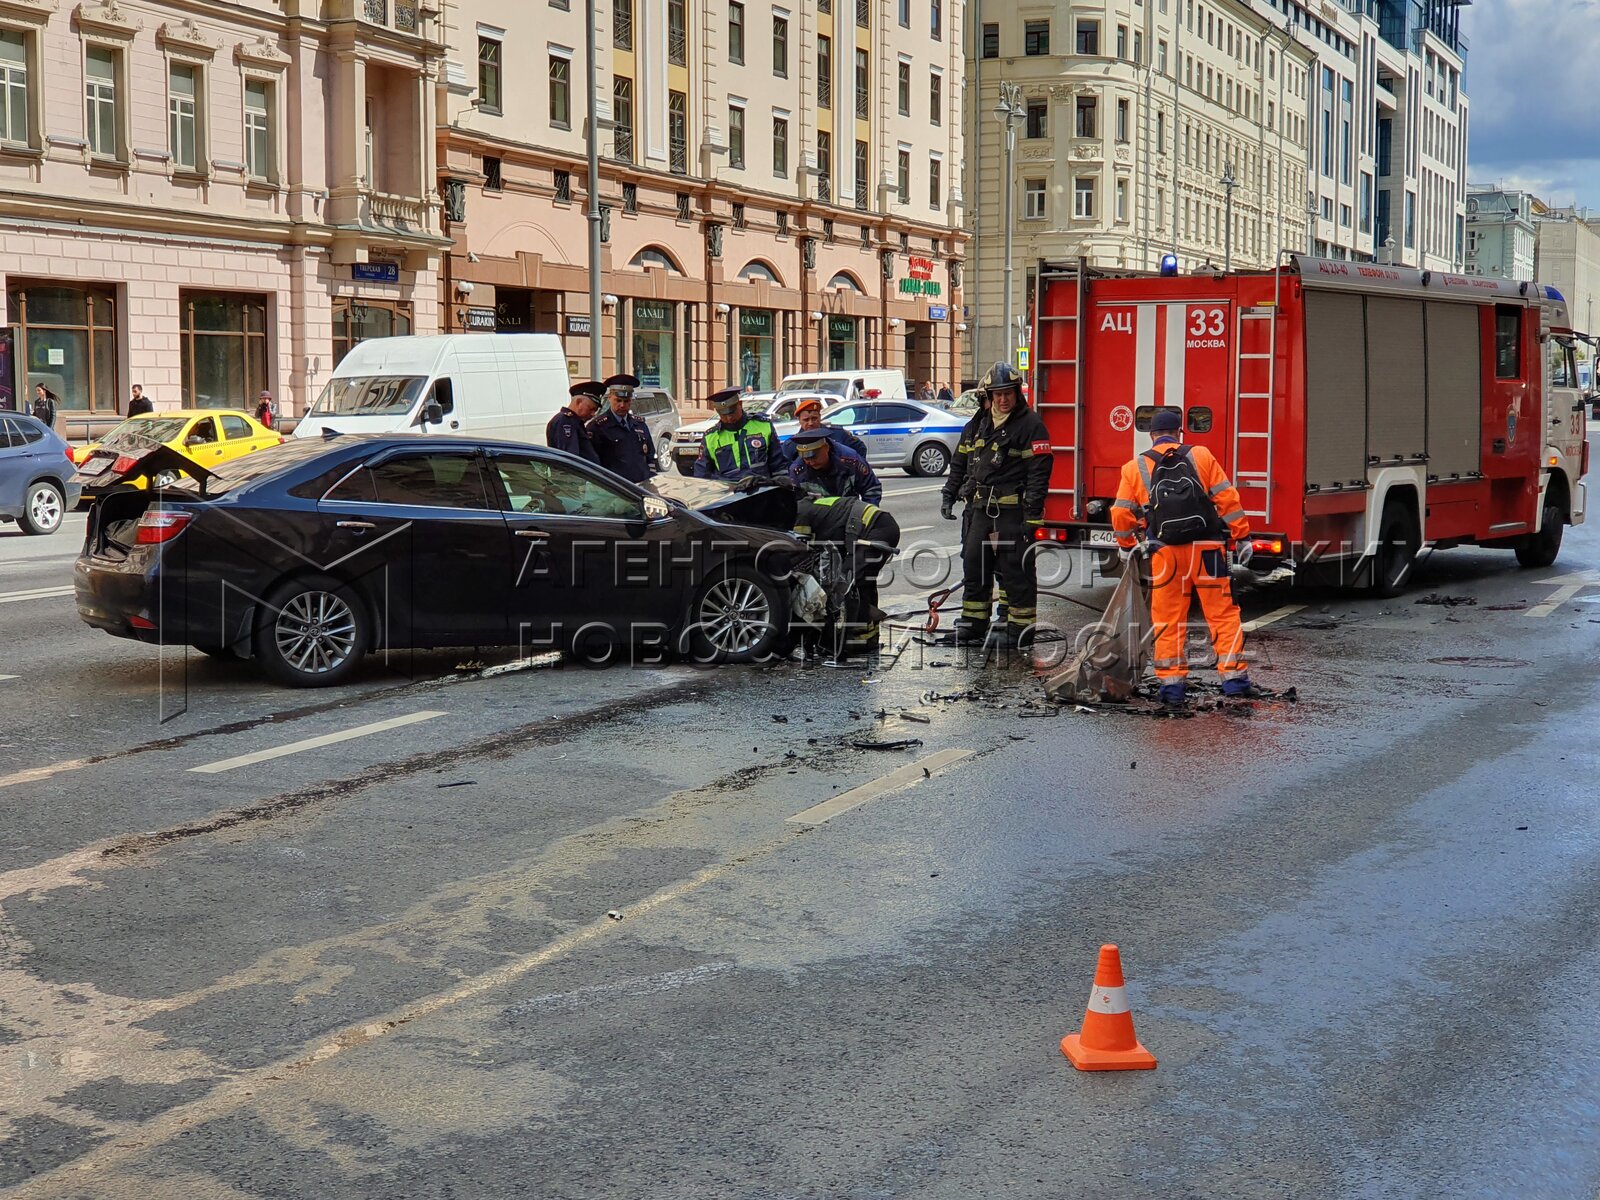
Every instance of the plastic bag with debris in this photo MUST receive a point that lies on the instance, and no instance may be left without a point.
(1111, 652)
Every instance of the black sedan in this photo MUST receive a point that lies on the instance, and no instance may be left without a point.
(308, 555)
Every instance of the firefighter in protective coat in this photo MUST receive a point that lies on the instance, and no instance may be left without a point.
(1006, 460)
(1180, 498)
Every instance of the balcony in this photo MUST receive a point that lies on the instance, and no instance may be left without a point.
(403, 214)
(402, 16)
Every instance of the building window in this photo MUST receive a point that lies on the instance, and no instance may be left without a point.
(903, 176)
(65, 338)
(356, 321)
(903, 88)
(1411, 220)
(936, 19)
(677, 33)
(682, 202)
(1083, 197)
(991, 41)
(563, 186)
(736, 137)
(183, 116)
(1033, 199)
(935, 183)
(1088, 40)
(1084, 123)
(14, 88)
(493, 180)
(223, 346)
(630, 198)
(736, 33)
(825, 167)
(100, 95)
(780, 47)
(622, 24)
(1122, 41)
(560, 91)
(1038, 125)
(905, 14)
(860, 164)
(935, 98)
(1138, 46)
(260, 138)
(783, 223)
(622, 117)
(1122, 120)
(678, 132)
(780, 147)
(1122, 199)
(824, 72)
(863, 85)
(1161, 133)
(863, 14)
(1036, 38)
(488, 74)
(1161, 57)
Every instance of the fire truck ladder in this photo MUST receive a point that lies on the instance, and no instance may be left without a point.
(1049, 341)
(1254, 381)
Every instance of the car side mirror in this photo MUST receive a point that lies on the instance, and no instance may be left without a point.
(432, 414)
(1578, 406)
(655, 508)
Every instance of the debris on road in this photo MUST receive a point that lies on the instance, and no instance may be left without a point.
(1447, 601)
(458, 783)
(893, 744)
(1111, 660)
(614, 915)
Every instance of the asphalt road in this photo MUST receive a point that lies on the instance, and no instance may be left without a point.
(570, 933)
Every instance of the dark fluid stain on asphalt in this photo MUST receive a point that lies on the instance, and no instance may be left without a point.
(1487, 660)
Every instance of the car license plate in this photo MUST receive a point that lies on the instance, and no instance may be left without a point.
(1102, 537)
(96, 466)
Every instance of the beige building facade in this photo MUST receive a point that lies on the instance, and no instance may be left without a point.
(780, 184)
(208, 198)
(1567, 258)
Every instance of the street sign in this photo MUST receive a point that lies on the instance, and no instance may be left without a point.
(1022, 358)
(376, 272)
(938, 312)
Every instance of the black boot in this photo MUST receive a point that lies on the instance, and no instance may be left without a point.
(970, 632)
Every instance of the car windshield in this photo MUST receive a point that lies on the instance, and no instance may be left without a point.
(235, 473)
(368, 396)
(145, 432)
(823, 387)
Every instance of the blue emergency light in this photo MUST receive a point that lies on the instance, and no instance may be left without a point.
(1169, 264)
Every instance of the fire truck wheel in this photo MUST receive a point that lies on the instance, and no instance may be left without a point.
(1397, 550)
(1540, 550)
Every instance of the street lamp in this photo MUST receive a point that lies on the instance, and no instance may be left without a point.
(591, 86)
(1311, 223)
(1228, 184)
(1010, 112)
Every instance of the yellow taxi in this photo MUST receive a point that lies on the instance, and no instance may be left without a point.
(205, 435)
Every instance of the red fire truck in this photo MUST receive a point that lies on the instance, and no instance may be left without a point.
(1364, 411)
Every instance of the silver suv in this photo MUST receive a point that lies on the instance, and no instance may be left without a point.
(657, 409)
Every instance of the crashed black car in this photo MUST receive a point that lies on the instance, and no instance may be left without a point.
(309, 555)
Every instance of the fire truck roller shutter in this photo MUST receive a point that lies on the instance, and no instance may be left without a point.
(1455, 391)
(1397, 385)
(1336, 390)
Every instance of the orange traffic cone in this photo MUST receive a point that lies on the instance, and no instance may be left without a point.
(1107, 1042)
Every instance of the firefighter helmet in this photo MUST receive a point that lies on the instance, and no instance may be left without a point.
(1002, 375)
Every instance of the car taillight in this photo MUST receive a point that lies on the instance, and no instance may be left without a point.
(159, 525)
(124, 464)
(1267, 545)
(282, 439)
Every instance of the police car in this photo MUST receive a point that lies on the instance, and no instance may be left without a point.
(920, 438)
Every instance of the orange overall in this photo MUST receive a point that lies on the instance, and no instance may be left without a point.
(1177, 573)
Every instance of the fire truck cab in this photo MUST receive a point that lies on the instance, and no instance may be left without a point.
(1364, 411)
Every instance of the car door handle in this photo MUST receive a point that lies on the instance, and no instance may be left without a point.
(361, 525)
(533, 535)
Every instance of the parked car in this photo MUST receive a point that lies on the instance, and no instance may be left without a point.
(36, 475)
(840, 386)
(686, 439)
(899, 433)
(310, 554)
(205, 436)
(965, 404)
(657, 409)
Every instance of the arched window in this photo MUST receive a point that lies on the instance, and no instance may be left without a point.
(654, 256)
(847, 281)
(757, 269)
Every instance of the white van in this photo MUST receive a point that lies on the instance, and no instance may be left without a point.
(503, 385)
(841, 386)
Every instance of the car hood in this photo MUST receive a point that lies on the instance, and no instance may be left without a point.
(771, 506)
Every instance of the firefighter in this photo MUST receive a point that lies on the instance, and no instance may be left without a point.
(1181, 500)
(621, 439)
(809, 414)
(823, 463)
(741, 446)
(867, 537)
(1007, 461)
(569, 429)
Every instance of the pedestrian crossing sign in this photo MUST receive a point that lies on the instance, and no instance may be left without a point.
(1022, 358)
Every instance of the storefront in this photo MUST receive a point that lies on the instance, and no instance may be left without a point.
(654, 326)
(356, 320)
(756, 360)
(842, 346)
(223, 347)
(65, 337)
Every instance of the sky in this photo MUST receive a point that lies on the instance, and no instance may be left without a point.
(1535, 114)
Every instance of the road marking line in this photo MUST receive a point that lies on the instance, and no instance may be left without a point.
(40, 774)
(316, 743)
(4, 677)
(916, 529)
(1288, 610)
(34, 594)
(900, 777)
(931, 487)
(1557, 598)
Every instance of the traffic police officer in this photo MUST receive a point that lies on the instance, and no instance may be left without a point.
(1007, 460)
(867, 537)
(822, 462)
(569, 429)
(740, 446)
(808, 413)
(621, 439)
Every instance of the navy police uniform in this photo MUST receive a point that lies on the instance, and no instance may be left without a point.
(567, 431)
(847, 473)
(623, 442)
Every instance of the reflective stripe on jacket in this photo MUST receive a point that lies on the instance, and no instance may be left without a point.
(1133, 496)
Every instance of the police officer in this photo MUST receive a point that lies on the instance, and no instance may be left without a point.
(740, 446)
(809, 414)
(1007, 460)
(621, 439)
(569, 429)
(822, 462)
(867, 537)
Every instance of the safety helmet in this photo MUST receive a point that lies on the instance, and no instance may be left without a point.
(1001, 375)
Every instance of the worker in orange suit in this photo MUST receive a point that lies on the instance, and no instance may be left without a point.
(1181, 500)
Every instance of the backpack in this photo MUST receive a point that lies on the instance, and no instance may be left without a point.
(1180, 511)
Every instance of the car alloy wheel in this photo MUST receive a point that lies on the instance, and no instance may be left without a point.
(932, 460)
(315, 632)
(735, 616)
(46, 508)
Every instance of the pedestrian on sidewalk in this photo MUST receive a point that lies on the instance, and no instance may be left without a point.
(266, 411)
(139, 403)
(45, 405)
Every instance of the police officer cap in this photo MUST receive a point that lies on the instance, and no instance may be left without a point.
(591, 388)
(1166, 420)
(724, 400)
(810, 440)
(1001, 375)
(623, 384)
